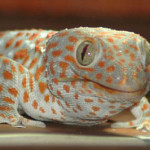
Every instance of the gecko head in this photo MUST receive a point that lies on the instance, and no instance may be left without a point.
(97, 63)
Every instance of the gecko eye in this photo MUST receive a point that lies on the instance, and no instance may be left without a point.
(86, 53)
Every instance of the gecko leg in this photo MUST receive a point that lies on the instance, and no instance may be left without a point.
(141, 112)
(10, 93)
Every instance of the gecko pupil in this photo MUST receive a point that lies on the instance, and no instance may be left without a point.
(84, 51)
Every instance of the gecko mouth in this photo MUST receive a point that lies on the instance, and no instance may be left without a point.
(105, 88)
(100, 86)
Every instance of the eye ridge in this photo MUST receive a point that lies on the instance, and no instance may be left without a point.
(84, 51)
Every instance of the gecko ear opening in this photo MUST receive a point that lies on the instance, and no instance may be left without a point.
(85, 53)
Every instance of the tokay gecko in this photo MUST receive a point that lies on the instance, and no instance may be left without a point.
(80, 76)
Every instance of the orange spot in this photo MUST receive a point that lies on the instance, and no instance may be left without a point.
(13, 91)
(99, 76)
(64, 66)
(72, 39)
(88, 100)
(18, 43)
(92, 113)
(70, 59)
(148, 114)
(33, 36)
(132, 57)
(6, 61)
(145, 107)
(76, 96)
(52, 45)
(109, 79)
(118, 36)
(2, 115)
(110, 40)
(122, 60)
(67, 104)
(116, 47)
(42, 109)
(4, 108)
(131, 123)
(50, 34)
(66, 88)
(52, 68)
(21, 70)
(70, 48)
(62, 34)
(58, 102)
(2, 34)
(53, 111)
(95, 108)
(56, 53)
(101, 64)
(46, 98)
(28, 33)
(55, 80)
(53, 99)
(39, 71)
(131, 64)
(119, 54)
(73, 83)
(10, 117)
(7, 75)
(134, 74)
(104, 50)
(38, 49)
(59, 93)
(13, 68)
(109, 57)
(110, 69)
(26, 97)
(14, 120)
(35, 104)
(8, 100)
(21, 54)
(79, 107)
(42, 87)
(31, 82)
(25, 60)
(74, 110)
(38, 41)
(100, 101)
(19, 34)
(32, 64)
(9, 43)
(62, 113)
(24, 82)
(79, 33)
(126, 51)
(112, 112)
(112, 107)
(1, 87)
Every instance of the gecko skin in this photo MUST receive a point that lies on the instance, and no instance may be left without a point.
(80, 76)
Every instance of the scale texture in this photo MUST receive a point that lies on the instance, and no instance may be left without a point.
(80, 76)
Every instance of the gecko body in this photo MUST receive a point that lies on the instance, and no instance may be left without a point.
(79, 76)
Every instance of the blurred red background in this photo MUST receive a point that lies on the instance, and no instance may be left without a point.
(132, 15)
